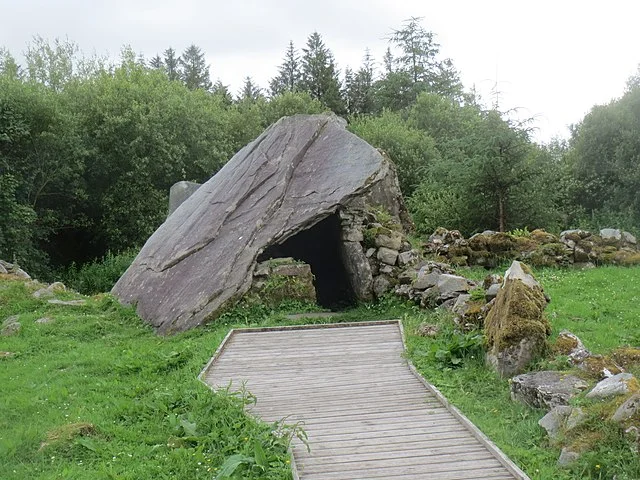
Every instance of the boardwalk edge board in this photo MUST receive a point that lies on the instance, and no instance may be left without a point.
(464, 421)
(468, 424)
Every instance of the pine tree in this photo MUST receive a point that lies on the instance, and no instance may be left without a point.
(8, 65)
(222, 91)
(288, 79)
(195, 71)
(418, 50)
(359, 87)
(156, 63)
(171, 64)
(250, 91)
(319, 74)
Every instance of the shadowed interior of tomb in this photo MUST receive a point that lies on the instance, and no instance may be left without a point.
(319, 246)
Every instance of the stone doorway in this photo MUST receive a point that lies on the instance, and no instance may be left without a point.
(319, 246)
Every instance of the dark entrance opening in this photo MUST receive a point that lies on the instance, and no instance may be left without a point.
(319, 246)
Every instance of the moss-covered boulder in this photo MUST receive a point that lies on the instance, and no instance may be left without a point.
(516, 328)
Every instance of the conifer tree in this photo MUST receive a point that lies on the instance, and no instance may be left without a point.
(288, 79)
(320, 75)
(171, 64)
(195, 71)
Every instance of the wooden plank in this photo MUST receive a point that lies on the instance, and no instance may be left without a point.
(366, 411)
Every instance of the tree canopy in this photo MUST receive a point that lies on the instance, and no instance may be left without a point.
(89, 147)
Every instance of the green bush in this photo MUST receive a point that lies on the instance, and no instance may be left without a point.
(100, 275)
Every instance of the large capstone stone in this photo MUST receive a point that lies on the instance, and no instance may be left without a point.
(516, 328)
(295, 177)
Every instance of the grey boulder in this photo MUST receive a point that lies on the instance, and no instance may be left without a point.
(547, 389)
(612, 386)
(301, 171)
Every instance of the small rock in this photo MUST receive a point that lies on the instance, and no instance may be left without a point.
(610, 234)
(554, 420)
(404, 291)
(546, 389)
(407, 258)
(426, 280)
(428, 330)
(619, 384)
(11, 326)
(2, 269)
(407, 277)
(493, 279)
(576, 418)
(387, 255)
(392, 241)
(6, 354)
(18, 272)
(452, 283)
(446, 304)
(352, 234)
(567, 457)
(56, 287)
(406, 246)
(386, 269)
(570, 345)
(45, 320)
(381, 285)
(262, 269)
(628, 238)
(630, 408)
(370, 252)
(69, 303)
(492, 292)
(461, 306)
(42, 293)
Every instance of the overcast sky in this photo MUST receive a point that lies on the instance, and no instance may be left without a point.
(553, 60)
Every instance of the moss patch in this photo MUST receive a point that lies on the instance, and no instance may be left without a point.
(627, 356)
(517, 314)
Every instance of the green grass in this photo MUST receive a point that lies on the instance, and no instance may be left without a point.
(114, 401)
(150, 417)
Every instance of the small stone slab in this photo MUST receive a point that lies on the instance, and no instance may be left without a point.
(562, 418)
(42, 293)
(567, 457)
(44, 320)
(554, 420)
(610, 234)
(629, 409)
(426, 280)
(612, 386)
(388, 256)
(546, 389)
(11, 326)
(448, 284)
(68, 303)
(392, 241)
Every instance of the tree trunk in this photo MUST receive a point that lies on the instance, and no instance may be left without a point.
(501, 213)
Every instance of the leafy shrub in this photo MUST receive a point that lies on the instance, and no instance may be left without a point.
(101, 275)
(455, 348)
(520, 233)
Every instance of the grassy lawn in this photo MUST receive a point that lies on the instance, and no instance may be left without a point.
(96, 394)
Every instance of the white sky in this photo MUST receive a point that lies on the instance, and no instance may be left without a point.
(553, 60)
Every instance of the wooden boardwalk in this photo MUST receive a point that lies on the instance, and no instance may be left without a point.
(367, 412)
